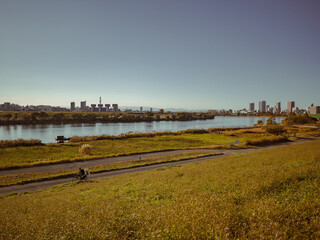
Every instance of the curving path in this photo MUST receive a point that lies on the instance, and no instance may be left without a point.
(49, 183)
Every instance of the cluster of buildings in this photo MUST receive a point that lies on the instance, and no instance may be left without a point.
(262, 108)
(94, 107)
(101, 108)
(291, 108)
(7, 106)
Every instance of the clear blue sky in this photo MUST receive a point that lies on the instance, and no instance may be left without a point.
(192, 54)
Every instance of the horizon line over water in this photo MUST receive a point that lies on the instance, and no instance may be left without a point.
(47, 133)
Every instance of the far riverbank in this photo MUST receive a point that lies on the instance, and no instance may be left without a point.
(48, 132)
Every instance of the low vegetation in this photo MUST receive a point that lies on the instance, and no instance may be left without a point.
(22, 178)
(103, 146)
(69, 152)
(34, 117)
(149, 134)
(299, 119)
(270, 194)
(263, 141)
(20, 142)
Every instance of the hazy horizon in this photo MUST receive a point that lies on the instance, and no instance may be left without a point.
(165, 54)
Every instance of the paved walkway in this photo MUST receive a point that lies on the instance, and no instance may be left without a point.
(49, 183)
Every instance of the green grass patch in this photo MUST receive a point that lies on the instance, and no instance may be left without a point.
(41, 176)
(68, 152)
(270, 194)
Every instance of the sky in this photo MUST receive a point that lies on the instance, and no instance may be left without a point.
(199, 54)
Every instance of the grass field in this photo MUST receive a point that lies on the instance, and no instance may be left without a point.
(24, 156)
(21, 178)
(52, 153)
(270, 194)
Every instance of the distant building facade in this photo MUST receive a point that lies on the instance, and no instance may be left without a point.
(115, 107)
(72, 106)
(290, 106)
(83, 106)
(277, 108)
(315, 110)
(251, 107)
(262, 106)
(7, 106)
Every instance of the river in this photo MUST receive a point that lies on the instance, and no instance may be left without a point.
(48, 132)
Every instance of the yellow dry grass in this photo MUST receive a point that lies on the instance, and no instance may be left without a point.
(270, 194)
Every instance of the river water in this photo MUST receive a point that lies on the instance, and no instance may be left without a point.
(48, 132)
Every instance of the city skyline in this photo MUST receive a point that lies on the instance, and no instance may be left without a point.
(168, 54)
(262, 107)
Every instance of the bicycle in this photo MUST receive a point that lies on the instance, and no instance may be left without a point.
(77, 177)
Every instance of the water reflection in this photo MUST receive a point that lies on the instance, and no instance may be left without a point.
(76, 124)
(48, 132)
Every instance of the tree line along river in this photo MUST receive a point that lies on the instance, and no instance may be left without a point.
(48, 132)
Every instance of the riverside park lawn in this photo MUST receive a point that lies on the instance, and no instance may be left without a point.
(269, 194)
(57, 153)
(68, 152)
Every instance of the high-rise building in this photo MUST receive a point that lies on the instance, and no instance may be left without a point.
(83, 106)
(72, 106)
(262, 106)
(251, 107)
(290, 107)
(277, 108)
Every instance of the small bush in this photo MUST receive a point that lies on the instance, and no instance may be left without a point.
(85, 149)
(275, 129)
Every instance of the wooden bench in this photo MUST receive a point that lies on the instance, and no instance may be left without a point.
(61, 139)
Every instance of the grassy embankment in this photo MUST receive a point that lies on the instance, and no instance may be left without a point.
(270, 194)
(29, 177)
(69, 152)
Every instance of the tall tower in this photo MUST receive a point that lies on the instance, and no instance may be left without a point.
(262, 106)
(277, 107)
(83, 106)
(72, 106)
(290, 106)
(100, 105)
(251, 107)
